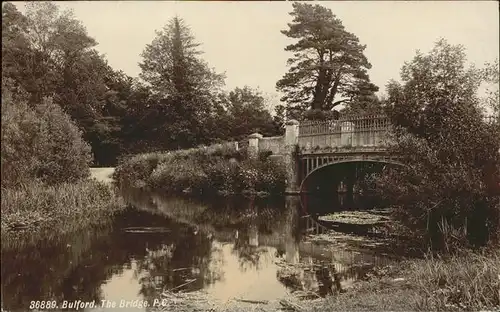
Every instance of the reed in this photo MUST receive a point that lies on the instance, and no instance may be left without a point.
(59, 208)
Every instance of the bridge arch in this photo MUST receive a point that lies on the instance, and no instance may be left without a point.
(331, 164)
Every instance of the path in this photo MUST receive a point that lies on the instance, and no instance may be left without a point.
(102, 174)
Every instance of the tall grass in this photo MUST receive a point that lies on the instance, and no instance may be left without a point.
(465, 282)
(462, 282)
(222, 169)
(60, 208)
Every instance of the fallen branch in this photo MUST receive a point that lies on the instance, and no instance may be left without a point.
(180, 269)
(301, 293)
(252, 301)
(186, 283)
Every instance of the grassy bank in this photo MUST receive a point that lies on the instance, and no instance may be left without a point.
(459, 283)
(62, 207)
(468, 282)
(222, 170)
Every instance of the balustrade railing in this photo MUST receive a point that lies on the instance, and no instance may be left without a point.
(350, 124)
(361, 130)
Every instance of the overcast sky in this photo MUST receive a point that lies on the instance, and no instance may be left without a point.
(243, 39)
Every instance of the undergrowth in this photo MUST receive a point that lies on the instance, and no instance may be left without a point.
(220, 170)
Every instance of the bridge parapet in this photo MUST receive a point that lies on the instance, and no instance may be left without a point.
(275, 144)
(346, 132)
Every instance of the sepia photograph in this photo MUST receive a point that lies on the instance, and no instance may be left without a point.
(253, 156)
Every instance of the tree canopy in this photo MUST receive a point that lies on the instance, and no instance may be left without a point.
(452, 153)
(328, 66)
(176, 102)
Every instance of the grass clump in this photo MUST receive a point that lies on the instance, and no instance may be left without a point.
(468, 282)
(62, 208)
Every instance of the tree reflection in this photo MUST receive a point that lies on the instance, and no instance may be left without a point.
(187, 257)
(75, 267)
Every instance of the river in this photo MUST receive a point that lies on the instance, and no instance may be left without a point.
(227, 248)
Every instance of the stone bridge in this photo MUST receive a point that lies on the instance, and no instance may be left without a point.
(311, 146)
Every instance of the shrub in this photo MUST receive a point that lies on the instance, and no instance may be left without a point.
(178, 175)
(136, 170)
(220, 169)
(40, 143)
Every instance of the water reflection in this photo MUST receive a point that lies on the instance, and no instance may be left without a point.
(227, 248)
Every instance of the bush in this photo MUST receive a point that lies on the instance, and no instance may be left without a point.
(203, 170)
(178, 176)
(318, 115)
(40, 143)
(136, 170)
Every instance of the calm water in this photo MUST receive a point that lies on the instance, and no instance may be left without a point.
(228, 248)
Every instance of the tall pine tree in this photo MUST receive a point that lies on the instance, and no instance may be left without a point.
(328, 65)
(183, 84)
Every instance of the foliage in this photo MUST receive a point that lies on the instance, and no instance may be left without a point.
(202, 171)
(328, 62)
(465, 282)
(318, 114)
(47, 52)
(491, 75)
(136, 170)
(279, 118)
(178, 103)
(452, 154)
(40, 143)
(247, 114)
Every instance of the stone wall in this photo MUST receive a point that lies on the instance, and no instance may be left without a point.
(275, 144)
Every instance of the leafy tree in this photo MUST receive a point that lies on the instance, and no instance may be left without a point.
(51, 42)
(248, 111)
(364, 102)
(452, 154)
(280, 118)
(48, 53)
(184, 85)
(491, 74)
(14, 42)
(328, 62)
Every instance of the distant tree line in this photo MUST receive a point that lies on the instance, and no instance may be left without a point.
(178, 101)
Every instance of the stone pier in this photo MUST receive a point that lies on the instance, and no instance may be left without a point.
(290, 157)
(283, 147)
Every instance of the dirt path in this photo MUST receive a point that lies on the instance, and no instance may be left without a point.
(102, 174)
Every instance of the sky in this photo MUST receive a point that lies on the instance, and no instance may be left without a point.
(243, 39)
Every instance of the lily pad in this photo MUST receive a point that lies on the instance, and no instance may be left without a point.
(146, 230)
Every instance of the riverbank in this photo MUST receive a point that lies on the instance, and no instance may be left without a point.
(220, 170)
(61, 208)
(469, 282)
